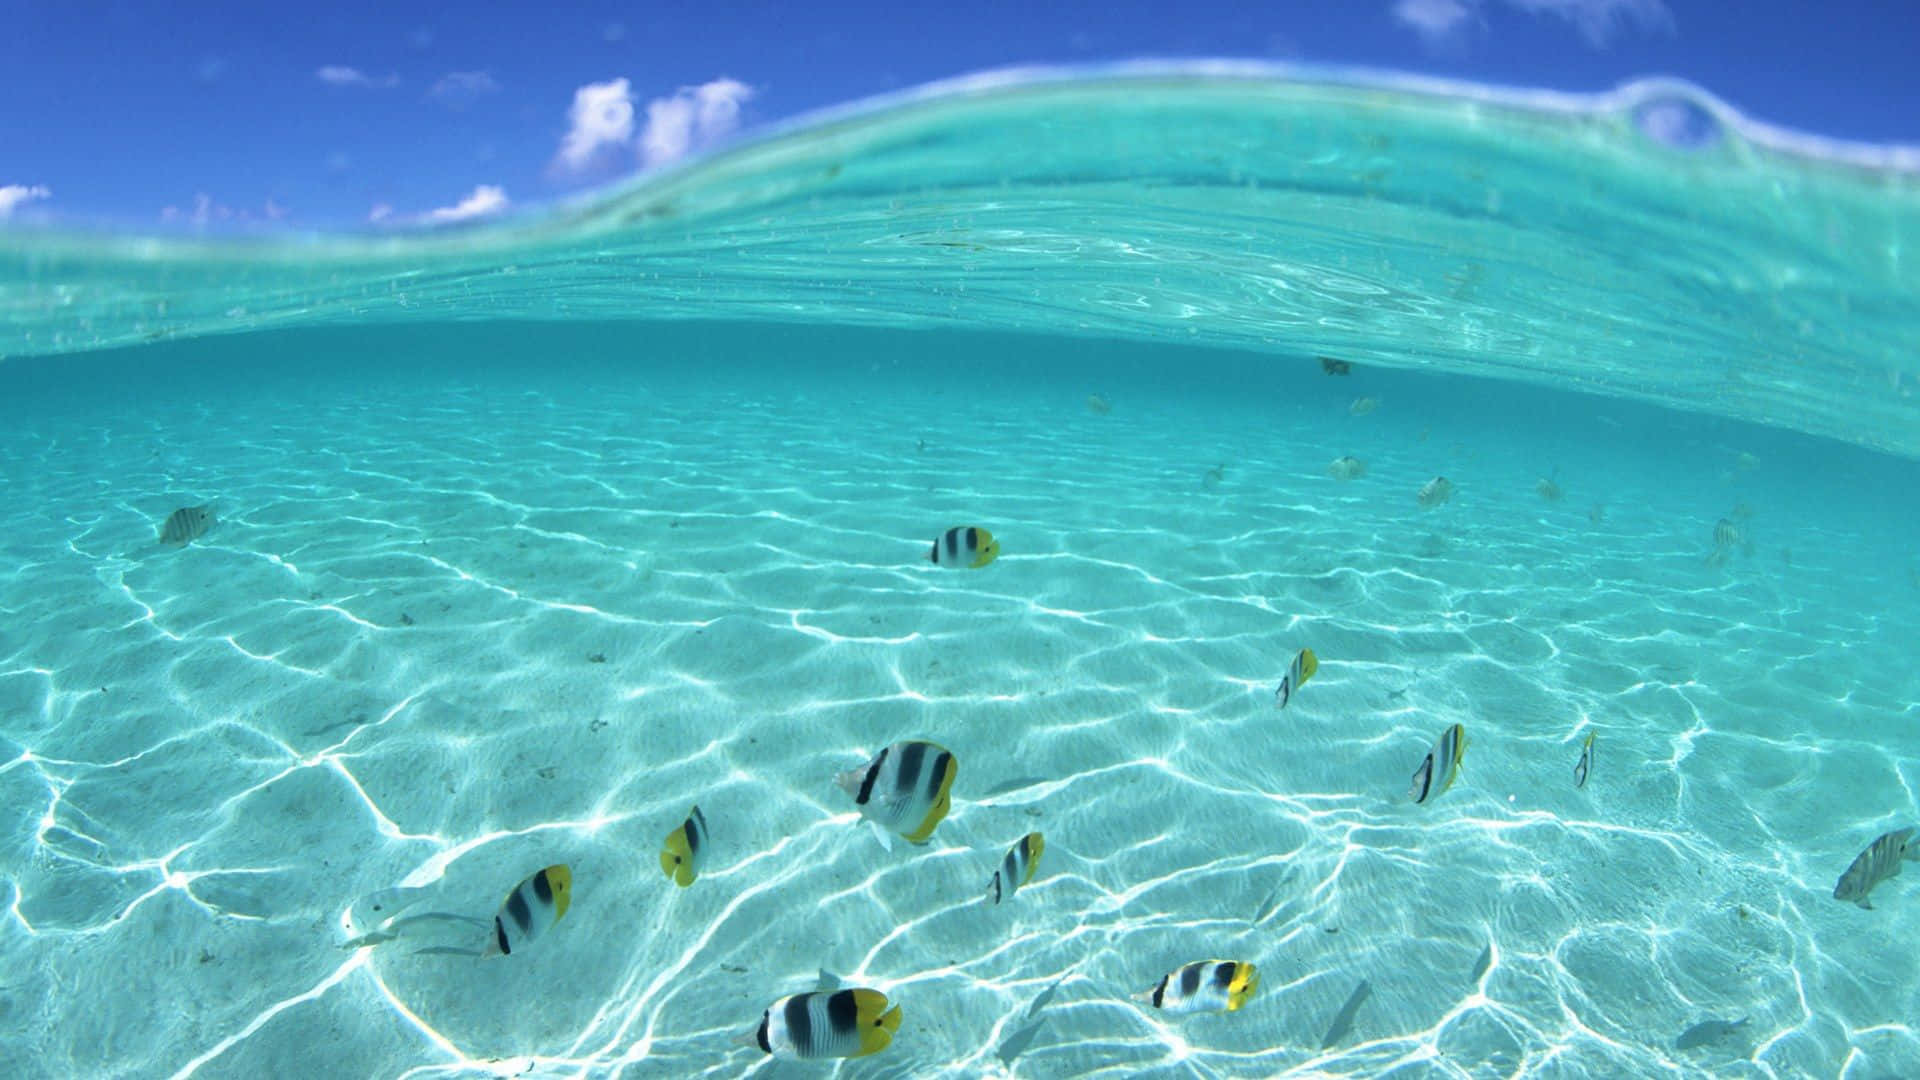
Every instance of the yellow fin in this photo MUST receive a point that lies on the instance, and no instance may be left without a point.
(877, 1022)
(1309, 664)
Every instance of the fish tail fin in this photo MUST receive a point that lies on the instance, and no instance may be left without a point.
(891, 1019)
(877, 1022)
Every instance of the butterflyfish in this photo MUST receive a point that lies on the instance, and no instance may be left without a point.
(1017, 868)
(826, 1024)
(685, 849)
(1204, 986)
(1303, 666)
(907, 788)
(964, 546)
(1441, 765)
(1585, 765)
(187, 524)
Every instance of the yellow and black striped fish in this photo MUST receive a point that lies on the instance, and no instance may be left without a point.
(531, 908)
(826, 1024)
(685, 849)
(1441, 765)
(1204, 986)
(187, 524)
(1017, 868)
(907, 788)
(1583, 767)
(1303, 666)
(964, 546)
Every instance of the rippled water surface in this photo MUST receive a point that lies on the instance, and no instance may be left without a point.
(531, 537)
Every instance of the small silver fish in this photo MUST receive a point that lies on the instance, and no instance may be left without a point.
(1708, 1031)
(1347, 468)
(1878, 863)
(1547, 489)
(187, 524)
(1435, 492)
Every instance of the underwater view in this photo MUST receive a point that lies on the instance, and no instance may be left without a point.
(1186, 570)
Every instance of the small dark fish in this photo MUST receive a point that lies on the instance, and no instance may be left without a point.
(1343, 1020)
(1013, 1045)
(1335, 367)
(1267, 907)
(1584, 766)
(1481, 965)
(187, 524)
(1015, 785)
(1708, 1031)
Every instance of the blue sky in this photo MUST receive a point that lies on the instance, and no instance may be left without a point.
(329, 116)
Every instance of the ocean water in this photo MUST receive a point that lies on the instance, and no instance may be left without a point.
(532, 536)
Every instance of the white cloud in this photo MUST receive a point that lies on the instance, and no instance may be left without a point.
(458, 89)
(486, 199)
(694, 116)
(1433, 19)
(380, 212)
(1597, 20)
(1443, 21)
(601, 116)
(13, 195)
(341, 75)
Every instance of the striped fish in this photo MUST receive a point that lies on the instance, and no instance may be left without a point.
(907, 788)
(187, 524)
(1878, 863)
(1435, 492)
(1585, 765)
(964, 546)
(826, 1024)
(1441, 765)
(1017, 868)
(683, 853)
(1302, 669)
(1204, 986)
(531, 909)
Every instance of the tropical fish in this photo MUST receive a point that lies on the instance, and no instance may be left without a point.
(1585, 765)
(1727, 536)
(964, 546)
(1303, 666)
(1347, 468)
(1708, 1031)
(1547, 489)
(187, 524)
(1362, 406)
(1481, 965)
(826, 1024)
(1017, 868)
(1441, 765)
(1435, 492)
(1212, 478)
(1098, 405)
(1016, 1044)
(1335, 367)
(685, 849)
(1203, 986)
(907, 788)
(1878, 863)
(1343, 1020)
(530, 909)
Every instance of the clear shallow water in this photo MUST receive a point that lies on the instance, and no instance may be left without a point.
(489, 597)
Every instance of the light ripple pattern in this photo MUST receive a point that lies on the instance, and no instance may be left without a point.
(462, 620)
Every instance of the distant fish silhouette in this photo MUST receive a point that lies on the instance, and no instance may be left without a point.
(1708, 1031)
(1435, 492)
(1335, 367)
(1343, 1020)
(1347, 468)
(1362, 406)
(1547, 489)
(187, 524)
(1098, 405)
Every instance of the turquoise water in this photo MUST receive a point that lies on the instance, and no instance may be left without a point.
(531, 537)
